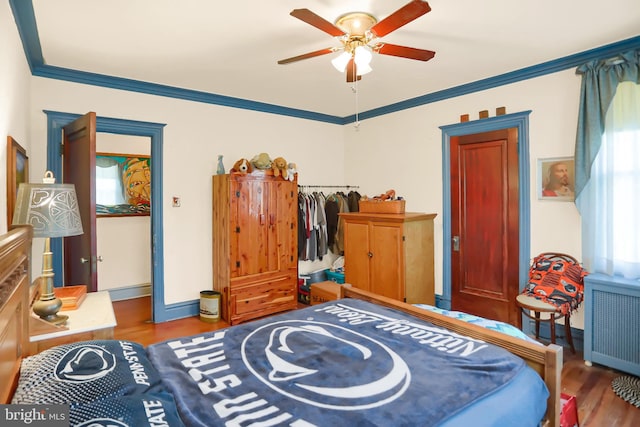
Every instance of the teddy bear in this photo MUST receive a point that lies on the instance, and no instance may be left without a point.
(261, 161)
(279, 166)
(242, 166)
(292, 170)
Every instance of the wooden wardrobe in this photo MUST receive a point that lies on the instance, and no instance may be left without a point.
(255, 257)
(390, 255)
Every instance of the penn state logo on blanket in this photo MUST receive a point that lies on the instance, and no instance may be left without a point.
(85, 363)
(339, 363)
(312, 380)
(86, 371)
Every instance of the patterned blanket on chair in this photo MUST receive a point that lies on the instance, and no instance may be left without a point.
(557, 282)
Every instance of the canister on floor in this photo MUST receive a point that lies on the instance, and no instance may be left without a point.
(209, 306)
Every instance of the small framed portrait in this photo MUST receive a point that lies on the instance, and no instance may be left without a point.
(556, 179)
(17, 173)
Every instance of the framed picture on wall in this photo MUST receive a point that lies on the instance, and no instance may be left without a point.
(556, 179)
(123, 184)
(17, 173)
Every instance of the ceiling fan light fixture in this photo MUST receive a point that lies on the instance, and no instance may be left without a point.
(362, 56)
(356, 23)
(365, 69)
(340, 62)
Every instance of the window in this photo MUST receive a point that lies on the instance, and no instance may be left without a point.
(615, 183)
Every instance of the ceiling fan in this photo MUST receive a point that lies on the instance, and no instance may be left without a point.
(358, 34)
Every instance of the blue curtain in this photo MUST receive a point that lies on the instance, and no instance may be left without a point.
(600, 79)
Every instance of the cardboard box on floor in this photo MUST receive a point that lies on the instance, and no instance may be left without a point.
(325, 291)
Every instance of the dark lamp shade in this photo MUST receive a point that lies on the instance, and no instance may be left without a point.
(51, 209)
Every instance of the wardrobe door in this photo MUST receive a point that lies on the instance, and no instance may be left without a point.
(357, 254)
(251, 228)
(387, 260)
(285, 221)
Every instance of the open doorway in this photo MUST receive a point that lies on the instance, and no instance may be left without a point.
(123, 238)
(55, 122)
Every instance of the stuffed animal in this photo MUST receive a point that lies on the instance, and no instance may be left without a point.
(242, 166)
(261, 161)
(292, 170)
(279, 166)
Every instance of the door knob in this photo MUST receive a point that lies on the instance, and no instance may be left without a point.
(370, 254)
(456, 243)
(99, 259)
(84, 260)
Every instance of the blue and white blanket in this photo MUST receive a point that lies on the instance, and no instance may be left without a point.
(344, 362)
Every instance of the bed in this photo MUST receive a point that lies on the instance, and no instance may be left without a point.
(192, 376)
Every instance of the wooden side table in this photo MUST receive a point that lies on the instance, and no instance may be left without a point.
(93, 320)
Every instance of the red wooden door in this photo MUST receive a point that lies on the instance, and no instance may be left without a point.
(79, 168)
(484, 224)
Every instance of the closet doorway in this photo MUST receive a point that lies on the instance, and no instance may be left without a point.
(520, 225)
(484, 224)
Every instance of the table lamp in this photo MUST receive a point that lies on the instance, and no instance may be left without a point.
(52, 210)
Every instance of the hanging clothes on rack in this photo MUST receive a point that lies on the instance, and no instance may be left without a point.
(318, 220)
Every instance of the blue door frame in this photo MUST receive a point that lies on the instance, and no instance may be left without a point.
(515, 120)
(55, 122)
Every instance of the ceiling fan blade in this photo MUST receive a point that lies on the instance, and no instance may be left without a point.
(320, 23)
(400, 17)
(307, 55)
(403, 51)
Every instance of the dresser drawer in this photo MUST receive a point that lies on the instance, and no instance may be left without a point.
(260, 299)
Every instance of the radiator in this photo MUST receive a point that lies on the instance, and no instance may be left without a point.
(612, 322)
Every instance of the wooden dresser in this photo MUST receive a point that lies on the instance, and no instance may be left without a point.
(390, 255)
(255, 255)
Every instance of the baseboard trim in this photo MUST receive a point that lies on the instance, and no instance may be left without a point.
(130, 292)
(181, 310)
(545, 335)
(443, 303)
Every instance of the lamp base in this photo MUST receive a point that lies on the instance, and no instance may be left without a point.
(48, 308)
(56, 319)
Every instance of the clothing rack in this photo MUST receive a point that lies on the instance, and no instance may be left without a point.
(346, 187)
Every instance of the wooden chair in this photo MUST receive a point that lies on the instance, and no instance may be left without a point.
(528, 303)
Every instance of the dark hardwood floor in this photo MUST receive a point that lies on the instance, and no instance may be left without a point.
(598, 405)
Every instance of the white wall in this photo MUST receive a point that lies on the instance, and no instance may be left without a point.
(123, 243)
(400, 150)
(14, 99)
(194, 136)
(403, 151)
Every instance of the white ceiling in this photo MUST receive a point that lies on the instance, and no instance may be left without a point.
(231, 48)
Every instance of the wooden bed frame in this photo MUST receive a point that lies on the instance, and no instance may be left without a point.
(15, 250)
(15, 257)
